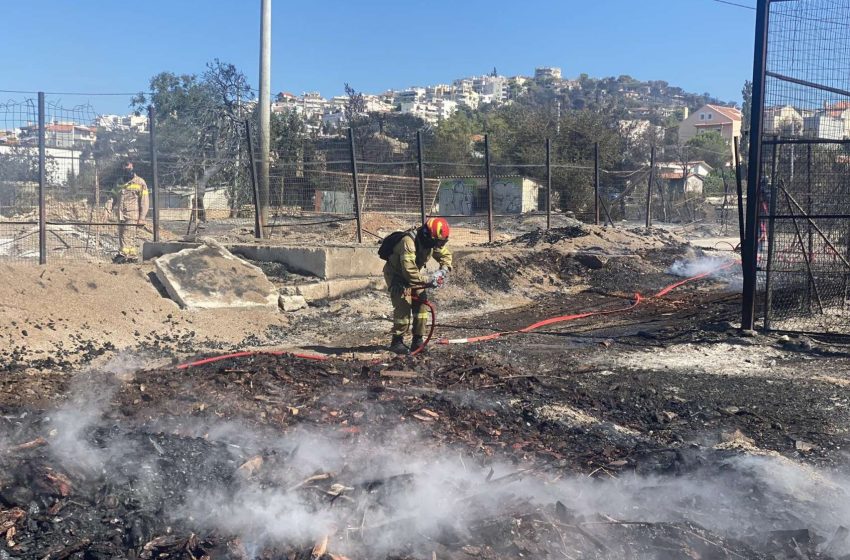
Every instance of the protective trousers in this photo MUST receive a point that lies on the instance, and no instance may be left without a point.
(128, 219)
(403, 307)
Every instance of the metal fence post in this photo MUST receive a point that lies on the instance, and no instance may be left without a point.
(356, 187)
(596, 183)
(421, 175)
(749, 251)
(154, 172)
(255, 188)
(649, 188)
(548, 184)
(740, 187)
(42, 184)
(489, 188)
(771, 228)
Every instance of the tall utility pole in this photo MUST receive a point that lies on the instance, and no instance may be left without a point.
(265, 106)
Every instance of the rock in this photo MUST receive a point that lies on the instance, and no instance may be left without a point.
(592, 261)
(806, 343)
(749, 333)
(804, 446)
(210, 276)
(737, 437)
(666, 416)
(16, 496)
(292, 303)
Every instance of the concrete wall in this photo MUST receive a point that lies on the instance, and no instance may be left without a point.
(467, 196)
(514, 195)
(457, 196)
(335, 202)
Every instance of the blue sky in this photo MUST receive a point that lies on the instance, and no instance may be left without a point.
(117, 45)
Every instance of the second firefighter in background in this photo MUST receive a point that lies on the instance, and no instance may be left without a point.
(407, 284)
(132, 207)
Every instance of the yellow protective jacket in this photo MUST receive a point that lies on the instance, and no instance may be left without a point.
(133, 201)
(409, 258)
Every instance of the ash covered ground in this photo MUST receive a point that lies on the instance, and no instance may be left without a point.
(658, 433)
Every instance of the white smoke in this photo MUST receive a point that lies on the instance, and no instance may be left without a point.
(425, 492)
(715, 266)
(397, 493)
(90, 395)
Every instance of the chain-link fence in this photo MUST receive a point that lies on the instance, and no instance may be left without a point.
(798, 245)
(312, 194)
(56, 190)
(19, 180)
(62, 171)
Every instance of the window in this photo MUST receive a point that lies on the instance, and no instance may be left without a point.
(710, 115)
(702, 116)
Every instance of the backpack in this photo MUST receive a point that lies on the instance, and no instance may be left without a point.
(385, 250)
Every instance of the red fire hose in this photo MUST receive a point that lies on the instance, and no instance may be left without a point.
(534, 326)
(433, 311)
(565, 318)
(315, 357)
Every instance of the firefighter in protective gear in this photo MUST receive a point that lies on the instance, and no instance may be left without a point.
(133, 203)
(405, 280)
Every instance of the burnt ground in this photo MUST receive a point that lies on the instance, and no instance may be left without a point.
(659, 433)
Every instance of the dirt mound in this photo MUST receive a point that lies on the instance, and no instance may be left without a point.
(567, 260)
(60, 315)
(548, 237)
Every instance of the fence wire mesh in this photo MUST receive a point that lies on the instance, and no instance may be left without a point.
(210, 173)
(19, 175)
(803, 247)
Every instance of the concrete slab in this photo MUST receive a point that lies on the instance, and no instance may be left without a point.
(151, 250)
(209, 276)
(333, 289)
(327, 261)
(292, 303)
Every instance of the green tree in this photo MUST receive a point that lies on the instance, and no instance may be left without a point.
(200, 128)
(711, 148)
(18, 181)
(746, 112)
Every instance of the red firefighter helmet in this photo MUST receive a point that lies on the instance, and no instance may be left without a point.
(438, 230)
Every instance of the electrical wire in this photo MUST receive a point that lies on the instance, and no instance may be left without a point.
(735, 4)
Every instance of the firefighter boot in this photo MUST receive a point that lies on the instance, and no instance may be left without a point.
(397, 345)
(417, 343)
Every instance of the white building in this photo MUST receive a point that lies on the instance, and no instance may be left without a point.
(467, 98)
(824, 127)
(62, 163)
(495, 87)
(60, 135)
(445, 108)
(377, 104)
(137, 123)
(782, 120)
(547, 73)
(685, 178)
(334, 120)
(410, 95)
(310, 106)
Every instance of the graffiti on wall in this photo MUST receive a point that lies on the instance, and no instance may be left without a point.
(335, 202)
(468, 196)
(507, 195)
(457, 196)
